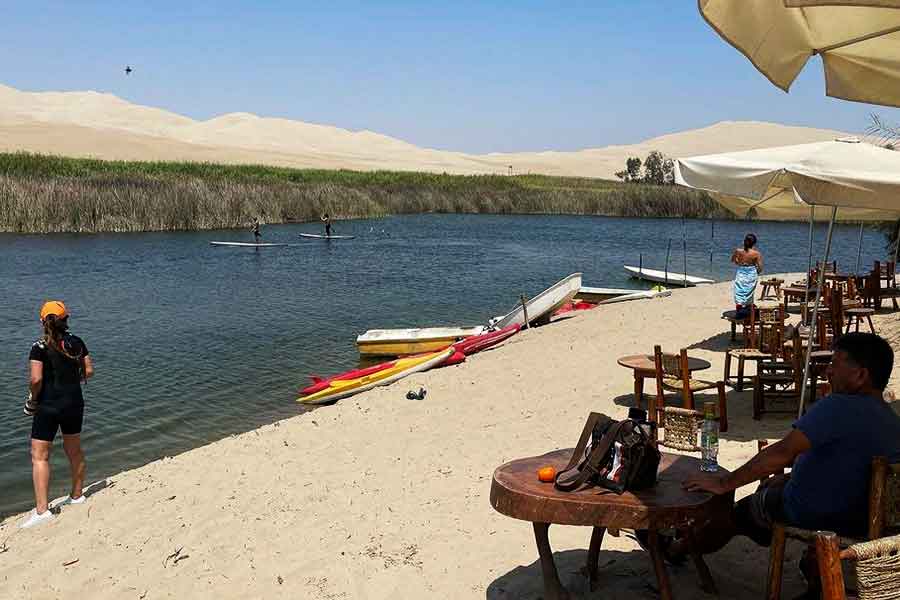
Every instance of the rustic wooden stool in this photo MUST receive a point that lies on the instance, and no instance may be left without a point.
(773, 284)
(856, 315)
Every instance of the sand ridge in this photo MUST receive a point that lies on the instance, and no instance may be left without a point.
(381, 497)
(100, 125)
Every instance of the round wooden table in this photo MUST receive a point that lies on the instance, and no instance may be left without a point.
(517, 493)
(644, 366)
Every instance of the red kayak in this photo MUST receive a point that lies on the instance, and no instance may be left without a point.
(319, 383)
(573, 306)
(477, 343)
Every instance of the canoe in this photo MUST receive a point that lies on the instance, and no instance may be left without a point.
(314, 236)
(398, 342)
(246, 244)
(544, 304)
(320, 383)
(477, 343)
(672, 278)
(640, 295)
(396, 370)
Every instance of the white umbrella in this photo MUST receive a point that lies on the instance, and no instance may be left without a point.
(858, 41)
(845, 173)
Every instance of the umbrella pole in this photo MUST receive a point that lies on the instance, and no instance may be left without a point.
(896, 246)
(684, 249)
(859, 249)
(668, 250)
(815, 316)
(812, 215)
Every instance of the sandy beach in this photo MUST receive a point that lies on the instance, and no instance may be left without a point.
(382, 497)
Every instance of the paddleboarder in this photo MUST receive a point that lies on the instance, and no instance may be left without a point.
(59, 362)
(255, 229)
(327, 220)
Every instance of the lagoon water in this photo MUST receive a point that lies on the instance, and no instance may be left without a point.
(192, 342)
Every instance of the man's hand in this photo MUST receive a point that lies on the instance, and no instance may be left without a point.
(706, 482)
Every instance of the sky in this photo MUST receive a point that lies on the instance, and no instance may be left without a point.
(466, 76)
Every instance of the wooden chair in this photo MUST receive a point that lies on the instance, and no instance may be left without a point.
(861, 311)
(672, 374)
(876, 564)
(764, 345)
(887, 282)
(883, 516)
(779, 380)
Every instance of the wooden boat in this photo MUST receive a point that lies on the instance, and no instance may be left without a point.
(670, 278)
(339, 387)
(544, 304)
(398, 342)
(641, 295)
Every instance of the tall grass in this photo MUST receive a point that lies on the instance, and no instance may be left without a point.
(40, 194)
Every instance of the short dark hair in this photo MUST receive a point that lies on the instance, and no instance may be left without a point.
(871, 352)
(749, 241)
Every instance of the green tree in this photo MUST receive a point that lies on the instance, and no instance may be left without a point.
(654, 171)
(632, 172)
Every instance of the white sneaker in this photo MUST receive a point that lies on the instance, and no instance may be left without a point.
(35, 519)
(70, 500)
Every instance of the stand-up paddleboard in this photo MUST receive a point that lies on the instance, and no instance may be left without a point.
(247, 244)
(314, 236)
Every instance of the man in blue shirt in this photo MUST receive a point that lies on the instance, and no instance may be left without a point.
(830, 449)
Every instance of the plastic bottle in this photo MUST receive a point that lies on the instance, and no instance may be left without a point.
(709, 439)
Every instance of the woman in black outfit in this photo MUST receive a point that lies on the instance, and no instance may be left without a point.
(59, 362)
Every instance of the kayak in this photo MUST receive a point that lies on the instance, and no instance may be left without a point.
(477, 343)
(246, 244)
(314, 236)
(384, 374)
(319, 383)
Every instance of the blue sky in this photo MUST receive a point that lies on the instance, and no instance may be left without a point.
(467, 76)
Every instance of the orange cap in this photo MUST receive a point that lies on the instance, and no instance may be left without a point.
(54, 307)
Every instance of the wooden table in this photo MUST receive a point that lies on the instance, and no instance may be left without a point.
(517, 493)
(644, 365)
(800, 293)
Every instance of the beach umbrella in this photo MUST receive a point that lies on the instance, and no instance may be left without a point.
(858, 178)
(857, 40)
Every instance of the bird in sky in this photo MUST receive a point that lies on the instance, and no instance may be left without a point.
(128, 69)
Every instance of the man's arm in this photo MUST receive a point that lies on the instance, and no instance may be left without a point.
(771, 460)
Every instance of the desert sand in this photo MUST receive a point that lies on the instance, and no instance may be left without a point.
(382, 497)
(97, 125)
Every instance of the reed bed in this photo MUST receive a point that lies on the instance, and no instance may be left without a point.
(48, 194)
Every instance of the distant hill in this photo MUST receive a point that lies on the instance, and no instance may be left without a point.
(97, 125)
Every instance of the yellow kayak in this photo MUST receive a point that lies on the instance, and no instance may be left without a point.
(342, 388)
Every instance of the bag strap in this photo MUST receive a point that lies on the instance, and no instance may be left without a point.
(583, 440)
(570, 479)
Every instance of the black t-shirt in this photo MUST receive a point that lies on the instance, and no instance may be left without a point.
(61, 386)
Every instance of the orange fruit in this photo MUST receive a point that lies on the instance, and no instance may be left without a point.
(547, 474)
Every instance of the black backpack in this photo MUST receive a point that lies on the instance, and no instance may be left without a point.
(615, 455)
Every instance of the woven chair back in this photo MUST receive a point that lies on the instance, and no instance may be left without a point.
(671, 364)
(681, 428)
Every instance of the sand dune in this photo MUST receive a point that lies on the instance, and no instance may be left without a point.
(92, 124)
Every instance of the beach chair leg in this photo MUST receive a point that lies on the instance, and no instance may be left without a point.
(662, 577)
(740, 377)
(723, 406)
(757, 398)
(733, 331)
(776, 563)
(706, 581)
(728, 379)
(871, 326)
(553, 589)
(593, 558)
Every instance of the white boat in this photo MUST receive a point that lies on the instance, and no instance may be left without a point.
(670, 278)
(399, 342)
(544, 304)
(246, 244)
(314, 236)
(614, 295)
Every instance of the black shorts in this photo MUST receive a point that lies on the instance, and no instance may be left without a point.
(47, 422)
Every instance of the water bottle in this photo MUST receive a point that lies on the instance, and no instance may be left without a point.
(709, 439)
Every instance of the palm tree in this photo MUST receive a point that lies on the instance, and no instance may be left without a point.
(887, 136)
